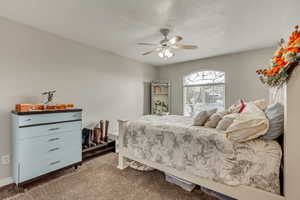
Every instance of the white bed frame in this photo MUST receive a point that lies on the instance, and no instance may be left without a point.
(288, 95)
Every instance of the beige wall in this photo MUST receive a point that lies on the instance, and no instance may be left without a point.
(105, 85)
(241, 80)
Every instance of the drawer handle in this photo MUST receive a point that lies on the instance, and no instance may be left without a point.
(53, 139)
(53, 129)
(54, 149)
(54, 163)
(27, 120)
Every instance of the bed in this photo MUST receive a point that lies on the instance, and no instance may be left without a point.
(203, 156)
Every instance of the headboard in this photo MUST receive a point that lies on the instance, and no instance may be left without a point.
(278, 94)
(289, 96)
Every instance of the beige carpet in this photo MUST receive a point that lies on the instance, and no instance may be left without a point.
(99, 179)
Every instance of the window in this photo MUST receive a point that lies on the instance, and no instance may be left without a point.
(203, 90)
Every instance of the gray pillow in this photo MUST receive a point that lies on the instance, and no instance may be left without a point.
(224, 123)
(203, 116)
(213, 120)
(275, 114)
(211, 111)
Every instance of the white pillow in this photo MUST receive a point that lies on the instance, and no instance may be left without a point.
(261, 104)
(234, 108)
(249, 124)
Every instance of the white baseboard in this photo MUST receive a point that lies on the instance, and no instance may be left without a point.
(6, 181)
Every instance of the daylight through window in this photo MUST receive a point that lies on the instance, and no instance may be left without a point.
(203, 90)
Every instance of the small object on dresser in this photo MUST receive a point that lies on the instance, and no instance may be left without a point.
(48, 105)
(61, 107)
(50, 95)
(23, 107)
(70, 106)
(51, 107)
(38, 107)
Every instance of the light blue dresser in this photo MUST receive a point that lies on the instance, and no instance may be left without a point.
(44, 141)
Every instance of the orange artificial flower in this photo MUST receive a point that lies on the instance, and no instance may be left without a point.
(270, 72)
(278, 52)
(277, 58)
(294, 49)
(291, 49)
(276, 70)
(281, 62)
(295, 35)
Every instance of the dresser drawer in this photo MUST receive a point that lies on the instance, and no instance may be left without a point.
(48, 147)
(28, 171)
(33, 169)
(37, 131)
(29, 120)
(65, 159)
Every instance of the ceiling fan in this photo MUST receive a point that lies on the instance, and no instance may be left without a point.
(165, 46)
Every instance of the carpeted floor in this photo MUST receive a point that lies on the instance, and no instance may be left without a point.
(99, 179)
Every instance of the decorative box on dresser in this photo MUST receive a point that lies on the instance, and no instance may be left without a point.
(44, 141)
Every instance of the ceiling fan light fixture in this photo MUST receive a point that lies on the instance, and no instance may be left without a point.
(166, 53)
(167, 44)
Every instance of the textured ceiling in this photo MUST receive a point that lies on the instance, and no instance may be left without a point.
(216, 26)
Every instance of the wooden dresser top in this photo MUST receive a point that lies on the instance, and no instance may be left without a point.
(46, 111)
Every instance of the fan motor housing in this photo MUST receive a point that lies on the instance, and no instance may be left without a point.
(165, 31)
(164, 42)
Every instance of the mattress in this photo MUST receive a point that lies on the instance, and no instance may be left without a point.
(173, 142)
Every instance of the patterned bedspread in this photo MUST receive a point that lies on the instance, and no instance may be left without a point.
(172, 141)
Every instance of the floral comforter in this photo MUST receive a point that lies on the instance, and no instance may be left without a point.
(172, 141)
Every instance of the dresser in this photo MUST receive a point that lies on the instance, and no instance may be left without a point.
(44, 141)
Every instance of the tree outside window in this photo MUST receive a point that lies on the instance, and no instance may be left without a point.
(203, 90)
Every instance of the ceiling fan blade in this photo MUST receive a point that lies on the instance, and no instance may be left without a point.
(179, 46)
(154, 50)
(145, 43)
(148, 52)
(174, 39)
